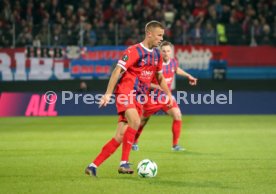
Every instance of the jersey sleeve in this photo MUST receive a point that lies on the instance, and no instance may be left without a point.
(129, 58)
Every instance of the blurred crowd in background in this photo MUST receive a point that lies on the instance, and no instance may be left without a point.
(121, 22)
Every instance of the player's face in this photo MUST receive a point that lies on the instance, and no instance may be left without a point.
(156, 36)
(166, 52)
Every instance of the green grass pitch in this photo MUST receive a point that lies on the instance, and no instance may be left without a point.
(225, 154)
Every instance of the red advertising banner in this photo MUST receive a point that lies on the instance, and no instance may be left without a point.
(199, 57)
(260, 56)
(195, 57)
(63, 63)
(20, 65)
(57, 63)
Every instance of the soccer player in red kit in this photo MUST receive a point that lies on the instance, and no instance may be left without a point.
(170, 68)
(136, 69)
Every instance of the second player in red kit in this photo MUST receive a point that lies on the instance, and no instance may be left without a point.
(157, 97)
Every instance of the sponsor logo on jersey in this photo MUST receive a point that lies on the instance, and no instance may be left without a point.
(147, 73)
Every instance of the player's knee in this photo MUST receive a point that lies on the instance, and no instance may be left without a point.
(119, 137)
(177, 116)
(135, 123)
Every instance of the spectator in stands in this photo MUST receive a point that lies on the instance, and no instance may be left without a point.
(209, 35)
(247, 28)
(212, 19)
(196, 34)
(6, 10)
(200, 10)
(218, 8)
(221, 34)
(90, 37)
(234, 32)
(178, 32)
(28, 11)
(36, 41)
(224, 19)
(104, 40)
(274, 28)
(40, 12)
(266, 36)
(57, 38)
(59, 19)
(25, 37)
(111, 31)
(70, 33)
(273, 9)
(256, 31)
(185, 24)
(87, 8)
(248, 15)
(135, 37)
(125, 30)
(43, 36)
(53, 9)
(5, 34)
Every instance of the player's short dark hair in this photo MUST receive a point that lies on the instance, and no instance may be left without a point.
(153, 24)
(166, 43)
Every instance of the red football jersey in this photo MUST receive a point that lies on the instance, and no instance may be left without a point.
(169, 70)
(140, 65)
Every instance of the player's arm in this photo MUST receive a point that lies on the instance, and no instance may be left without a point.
(163, 85)
(128, 59)
(192, 80)
(111, 85)
(155, 86)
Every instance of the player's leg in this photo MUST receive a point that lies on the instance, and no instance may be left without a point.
(121, 129)
(108, 149)
(148, 110)
(133, 120)
(175, 113)
(144, 121)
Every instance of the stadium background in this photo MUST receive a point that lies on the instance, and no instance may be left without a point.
(68, 45)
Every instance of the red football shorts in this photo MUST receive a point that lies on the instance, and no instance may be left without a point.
(151, 108)
(124, 102)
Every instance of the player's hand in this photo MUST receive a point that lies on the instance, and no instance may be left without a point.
(104, 100)
(192, 80)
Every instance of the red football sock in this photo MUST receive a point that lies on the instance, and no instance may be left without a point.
(176, 129)
(108, 149)
(128, 140)
(138, 133)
